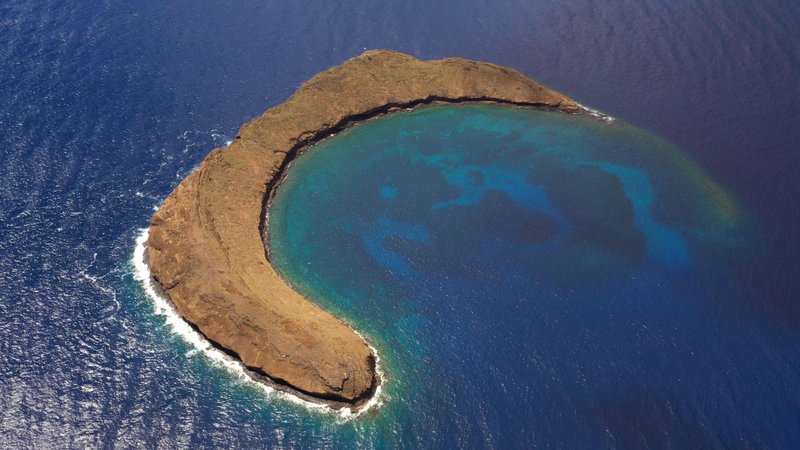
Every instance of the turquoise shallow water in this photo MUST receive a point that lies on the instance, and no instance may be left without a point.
(525, 274)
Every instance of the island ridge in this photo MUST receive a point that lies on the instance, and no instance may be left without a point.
(206, 250)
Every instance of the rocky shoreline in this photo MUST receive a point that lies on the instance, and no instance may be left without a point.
(206, 250)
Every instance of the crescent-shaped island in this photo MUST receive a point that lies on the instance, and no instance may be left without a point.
(206, 247)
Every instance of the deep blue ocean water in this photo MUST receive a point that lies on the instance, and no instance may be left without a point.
(105, 106)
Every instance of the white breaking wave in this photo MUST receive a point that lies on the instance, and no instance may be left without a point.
(163, 308)
(598, 114)
(219, 137)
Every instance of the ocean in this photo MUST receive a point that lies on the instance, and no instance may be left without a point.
(673, 329)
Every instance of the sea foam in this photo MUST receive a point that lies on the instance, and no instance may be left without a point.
(163, 307)
(598, 114)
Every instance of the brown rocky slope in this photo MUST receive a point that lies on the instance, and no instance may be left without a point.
(205, 246)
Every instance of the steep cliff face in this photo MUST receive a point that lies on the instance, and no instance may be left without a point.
(205, 247)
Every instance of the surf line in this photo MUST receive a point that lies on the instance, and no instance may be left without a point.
(597, 114)
(163, 307)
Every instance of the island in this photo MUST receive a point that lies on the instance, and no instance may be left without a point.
(206, 248)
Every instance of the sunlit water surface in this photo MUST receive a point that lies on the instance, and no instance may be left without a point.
(660, 313)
